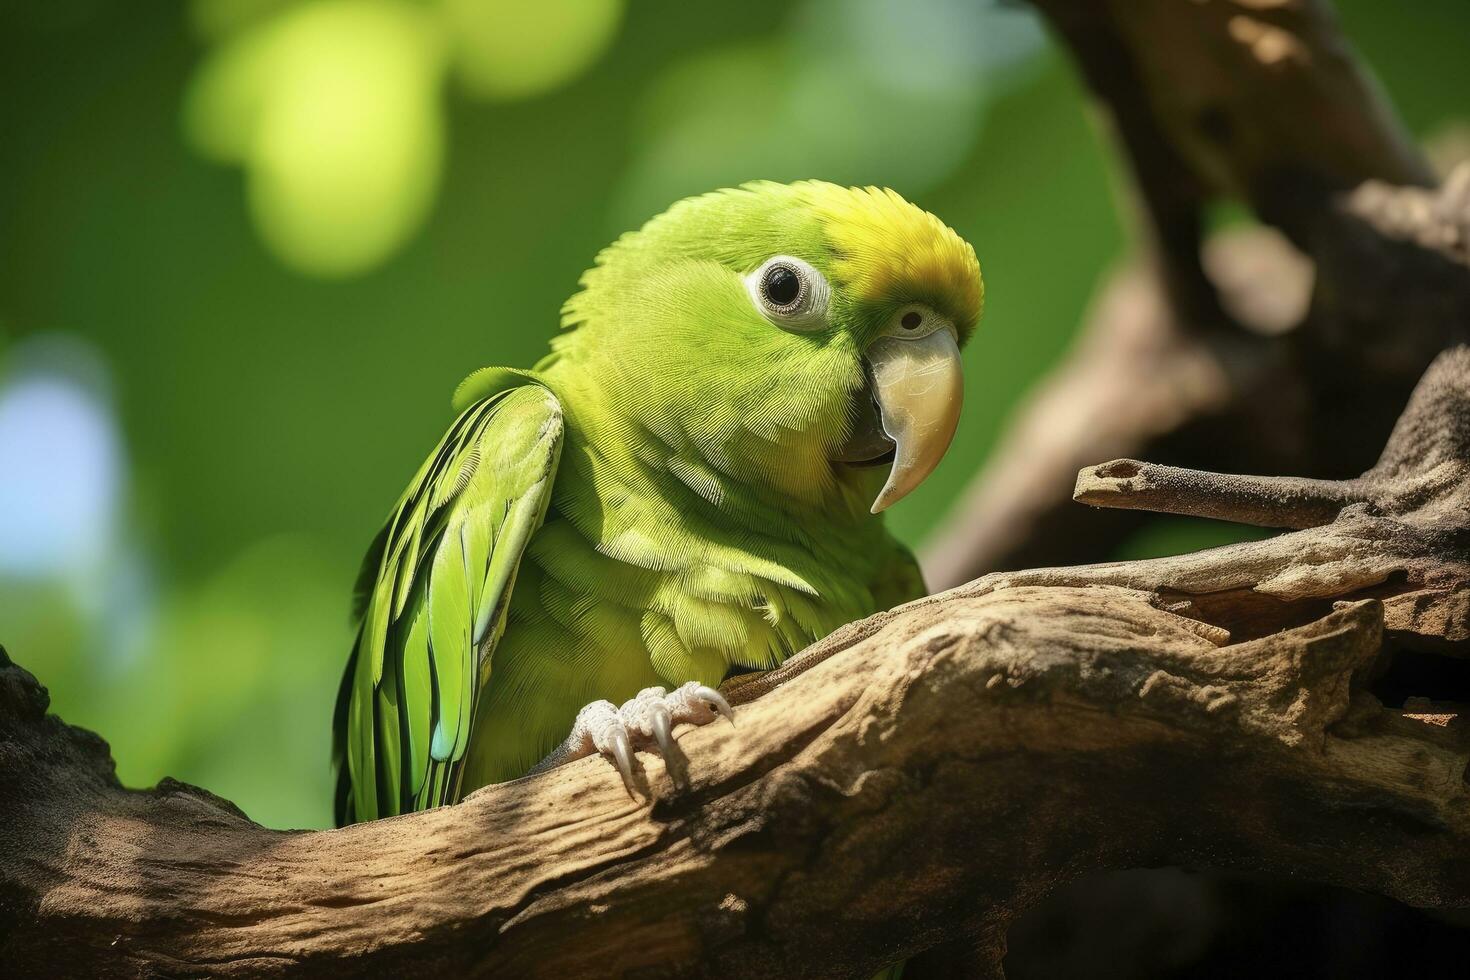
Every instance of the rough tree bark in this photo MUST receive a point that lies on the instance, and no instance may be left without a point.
(919, 777)
(1284, 349)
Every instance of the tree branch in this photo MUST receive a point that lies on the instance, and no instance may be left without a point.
(918, 777)
(1261, 352)
(1266, 501)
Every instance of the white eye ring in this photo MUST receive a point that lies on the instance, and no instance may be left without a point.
(915, 321)
(770, 288)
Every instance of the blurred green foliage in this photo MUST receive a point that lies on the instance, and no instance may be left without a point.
(259, 241)
(335, 109)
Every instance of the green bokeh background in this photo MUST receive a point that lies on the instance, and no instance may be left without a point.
(269, 408)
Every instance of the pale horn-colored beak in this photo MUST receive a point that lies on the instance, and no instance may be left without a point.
(919, 388)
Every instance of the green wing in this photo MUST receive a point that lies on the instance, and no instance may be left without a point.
(432, 600)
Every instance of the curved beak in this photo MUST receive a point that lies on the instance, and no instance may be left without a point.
(919, 388)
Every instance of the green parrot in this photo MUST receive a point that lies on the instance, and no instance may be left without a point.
(682, 489)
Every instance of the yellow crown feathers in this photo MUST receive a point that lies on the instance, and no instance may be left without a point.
(888, 248)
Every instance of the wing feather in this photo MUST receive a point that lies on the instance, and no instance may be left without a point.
(433, 598)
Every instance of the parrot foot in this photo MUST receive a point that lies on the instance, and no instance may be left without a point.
(646, 721)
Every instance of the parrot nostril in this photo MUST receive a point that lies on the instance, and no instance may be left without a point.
(911, 320)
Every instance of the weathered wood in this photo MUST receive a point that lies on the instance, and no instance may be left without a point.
(1289, 350)
(918, 777)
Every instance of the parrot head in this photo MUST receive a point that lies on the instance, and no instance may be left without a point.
(802, 338)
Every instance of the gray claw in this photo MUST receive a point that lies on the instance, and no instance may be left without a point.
(623, 755)
(718, 700)
(663, 727)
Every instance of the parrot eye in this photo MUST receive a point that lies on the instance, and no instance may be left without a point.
(789, 293)
(781, 286)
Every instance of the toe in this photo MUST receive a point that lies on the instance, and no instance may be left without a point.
(662, 724)
(699, 704)
(622, 752)
(716, 701)
(608, 734)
